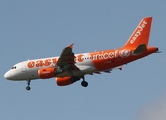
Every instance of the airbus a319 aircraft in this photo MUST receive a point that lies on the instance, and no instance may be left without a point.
(69, 67)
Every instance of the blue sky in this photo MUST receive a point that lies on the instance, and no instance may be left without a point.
(37, 28)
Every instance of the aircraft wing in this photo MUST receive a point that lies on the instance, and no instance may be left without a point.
(66, 59)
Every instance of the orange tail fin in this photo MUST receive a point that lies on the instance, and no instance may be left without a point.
(141, 34)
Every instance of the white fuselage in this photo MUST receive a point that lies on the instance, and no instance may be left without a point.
(21, 71)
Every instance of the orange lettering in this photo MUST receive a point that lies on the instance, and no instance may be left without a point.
(47, 62)
(31, 64)
(39, 63)
(80, 58)
(54, 60)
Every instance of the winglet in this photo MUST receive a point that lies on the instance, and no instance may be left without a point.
(71, 46)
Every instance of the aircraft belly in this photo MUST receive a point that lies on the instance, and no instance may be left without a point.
(30, 74)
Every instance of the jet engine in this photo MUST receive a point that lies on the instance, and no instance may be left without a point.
(63, 81)
(45, 73)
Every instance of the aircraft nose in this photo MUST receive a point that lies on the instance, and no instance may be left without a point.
(7, 75)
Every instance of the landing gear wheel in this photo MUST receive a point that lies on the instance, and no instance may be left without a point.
(28, 88)
(84, 83)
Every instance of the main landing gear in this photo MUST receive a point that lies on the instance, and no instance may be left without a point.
(84, 83)
(28, 87)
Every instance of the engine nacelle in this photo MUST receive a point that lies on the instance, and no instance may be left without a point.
(63, 81)
(45, 73)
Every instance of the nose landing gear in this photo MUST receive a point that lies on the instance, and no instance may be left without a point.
(28, 87)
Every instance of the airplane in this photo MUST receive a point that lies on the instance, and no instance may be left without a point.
(69, 67)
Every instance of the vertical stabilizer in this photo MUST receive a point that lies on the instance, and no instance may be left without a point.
(141, 34)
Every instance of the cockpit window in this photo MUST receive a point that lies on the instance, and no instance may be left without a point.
(14, 67)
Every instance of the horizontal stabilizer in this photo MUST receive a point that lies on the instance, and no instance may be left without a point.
(140, 49)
